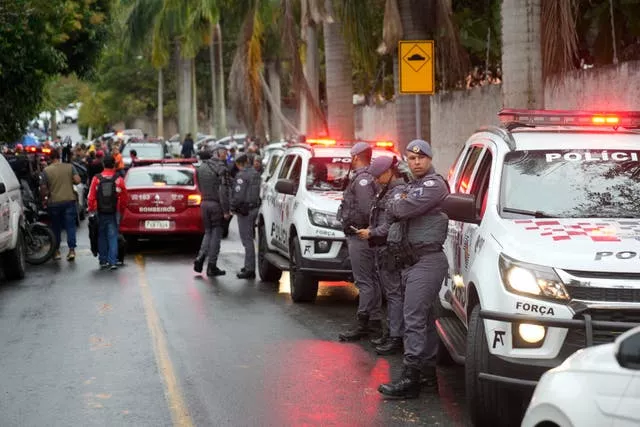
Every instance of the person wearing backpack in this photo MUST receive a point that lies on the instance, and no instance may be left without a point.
(106, 197)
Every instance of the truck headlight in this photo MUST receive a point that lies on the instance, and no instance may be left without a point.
(530, 279)
(324, 219)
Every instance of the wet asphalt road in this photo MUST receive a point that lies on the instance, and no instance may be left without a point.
(154, 344)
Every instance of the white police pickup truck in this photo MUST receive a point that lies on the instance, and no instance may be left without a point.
(543, 249)
(297, 226)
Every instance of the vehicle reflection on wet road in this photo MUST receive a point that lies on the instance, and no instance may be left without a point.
(153, 344)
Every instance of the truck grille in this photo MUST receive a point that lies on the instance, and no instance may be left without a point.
(587, 293)
(576, 337)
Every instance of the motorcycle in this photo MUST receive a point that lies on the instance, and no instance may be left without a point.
(39, 239)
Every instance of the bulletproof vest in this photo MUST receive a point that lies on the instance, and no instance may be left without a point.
(432, 227)
(211, 175)
(347, 213)
(252, 197)
(107, 194)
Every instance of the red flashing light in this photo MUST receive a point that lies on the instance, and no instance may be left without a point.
(628, 119)
(46, 150)
(384, 144)
(322, 141)
(31, 149)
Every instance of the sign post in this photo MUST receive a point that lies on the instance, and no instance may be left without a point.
(416, 72)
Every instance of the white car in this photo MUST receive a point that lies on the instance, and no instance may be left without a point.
(297, 226)
(598, 386)
(12, 245)
(543, 248)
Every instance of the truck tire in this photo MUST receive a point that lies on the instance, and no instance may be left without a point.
(489, 403)
(267, 271)
(15, 261)
(304, 288)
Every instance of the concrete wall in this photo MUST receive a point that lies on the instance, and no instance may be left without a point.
(376, 123)
(603, 88)
(455, 116)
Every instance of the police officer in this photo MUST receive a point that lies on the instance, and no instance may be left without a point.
(213, 181)
(245, 201)
(420, 229)
(354, 214)
(384, 170)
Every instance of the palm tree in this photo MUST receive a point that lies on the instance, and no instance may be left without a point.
(409, 20)
(180, 26)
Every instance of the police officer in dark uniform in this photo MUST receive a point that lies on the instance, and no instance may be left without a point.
(384, 170)
(354, 214)
(245, 202)
(417, 234)
(213, 181)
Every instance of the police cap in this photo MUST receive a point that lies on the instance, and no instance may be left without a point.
(380, 165)
(420, 146)
(360, 148)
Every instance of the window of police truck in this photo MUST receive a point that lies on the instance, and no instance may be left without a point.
(572, 183)
(327, 173)
(160, 176)
(145, 151)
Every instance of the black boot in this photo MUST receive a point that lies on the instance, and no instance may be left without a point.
(198, 264)
(360, 331)
(380, 340)
(429, 379)
(392, 346)
(244, 274)
(407, 387)
(375, 329)
(213, 270)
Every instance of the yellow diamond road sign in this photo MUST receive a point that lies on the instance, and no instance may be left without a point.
(416, 63)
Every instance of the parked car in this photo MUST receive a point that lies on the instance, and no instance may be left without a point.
(162, 199)
(12, 246)
(597, 386)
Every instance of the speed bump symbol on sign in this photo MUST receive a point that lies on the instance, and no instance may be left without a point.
(416, 67)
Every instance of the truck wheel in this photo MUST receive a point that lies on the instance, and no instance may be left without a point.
(15, 261)
(267, 271)
(304, 288)
(489, 403)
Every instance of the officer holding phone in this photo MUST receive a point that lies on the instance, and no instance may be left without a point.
(354, 214)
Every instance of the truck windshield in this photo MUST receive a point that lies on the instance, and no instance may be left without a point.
(572, 183)
(327, 173)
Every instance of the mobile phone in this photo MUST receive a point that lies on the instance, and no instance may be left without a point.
(353, 228)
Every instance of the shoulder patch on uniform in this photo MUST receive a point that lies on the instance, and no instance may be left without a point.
(363, 182)
(397, 196)
(238, 188)
(239, 181)
(429, 183)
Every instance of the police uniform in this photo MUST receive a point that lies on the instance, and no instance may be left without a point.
(420, 228)
(354, 212)
(245, 202)
(213, 181)
(389, 276)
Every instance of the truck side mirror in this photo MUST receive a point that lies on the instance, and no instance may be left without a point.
(286, 186)
(628, 349)
(461, 207)
(3, 188)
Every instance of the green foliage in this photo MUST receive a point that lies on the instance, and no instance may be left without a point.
(61, 91)
(38, 40)
(479, 22)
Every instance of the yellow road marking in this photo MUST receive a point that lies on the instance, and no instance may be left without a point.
(177, 405)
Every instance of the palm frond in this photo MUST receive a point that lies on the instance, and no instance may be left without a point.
(140, 21)
(451, 56)
(559, 36)
(358, 24)
(391, 28)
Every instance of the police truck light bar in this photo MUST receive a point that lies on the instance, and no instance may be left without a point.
(388, 145)
(615, 119)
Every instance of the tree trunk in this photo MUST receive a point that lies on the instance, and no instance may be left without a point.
(214, 89)
(406, 104)
(339, 79)
(275, 133)
(309, 123)
(221, 108)
(522, 82)
(53, 124)
(160, 113)
(194, 100)
(184, 96)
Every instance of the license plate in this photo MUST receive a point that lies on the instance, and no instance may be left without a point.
(157, 225)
